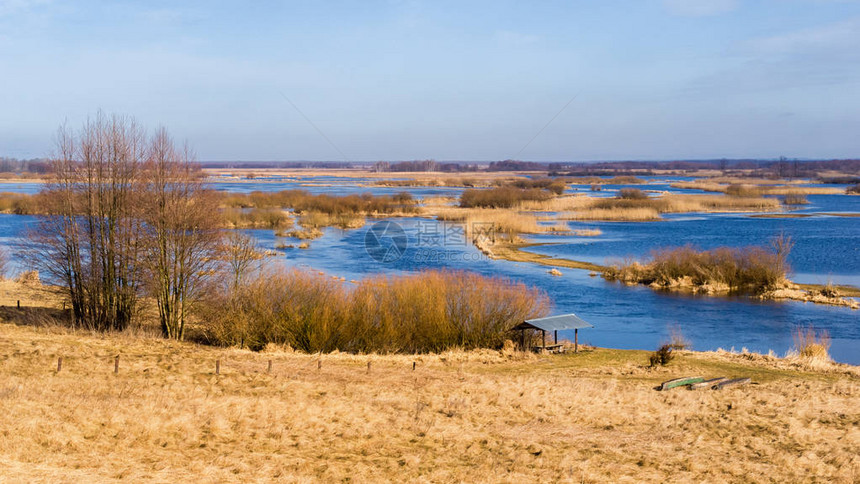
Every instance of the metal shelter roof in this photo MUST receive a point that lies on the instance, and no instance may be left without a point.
(554, 323)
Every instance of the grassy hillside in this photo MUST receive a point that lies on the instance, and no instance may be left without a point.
(479, 416)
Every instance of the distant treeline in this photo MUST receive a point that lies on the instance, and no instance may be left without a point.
(14, 165)
(783, 167)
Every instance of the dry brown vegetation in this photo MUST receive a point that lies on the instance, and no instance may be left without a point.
(269, 218)
(502, 197)
(21, 203)
(429, 311)
(597, 181)
(748, 269)
(486, 416)
(630, 214)
(635, 206)
(811, 345)
(753, 188)
(302, 201)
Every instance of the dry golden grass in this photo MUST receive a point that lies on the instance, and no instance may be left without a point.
(300, 173)
(649, 209)
(488, 220)
(468, 417)
(587, 232)
(717, 203)
(756, 186)
(557, 204)
(30, 294)
(638, 214)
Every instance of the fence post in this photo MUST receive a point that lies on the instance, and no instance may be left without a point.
(269, 369)
(217, 367)
(319, 364)
(368, 367)
(116, 365)
(19, 304)
(59, 363)
(413, 366)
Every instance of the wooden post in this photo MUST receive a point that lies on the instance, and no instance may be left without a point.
(368, 367)
(269, 369)
(319, 364)
(19, 304)
(217, 367)
(59, 364)
(576, 340)
(413, 366)
(555, 337)
(116, 365)
(543, 336)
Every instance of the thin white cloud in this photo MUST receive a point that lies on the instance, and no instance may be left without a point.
(699, 8)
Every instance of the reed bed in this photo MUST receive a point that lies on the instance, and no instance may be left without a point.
(556, 204)
(596, 180)
(22, 203)
(635, 208)
(794, 200)
(484, 221)
(631, 214)
(553, 185)
(754, 190)
(270, 218)
(717, 203)
(501, 197)
(430, 311)
(302, 201)
(811, 345)
(317, 220)
(467, 182)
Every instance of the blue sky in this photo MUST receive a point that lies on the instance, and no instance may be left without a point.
(459, 80)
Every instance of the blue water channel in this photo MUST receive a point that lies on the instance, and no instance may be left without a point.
(827, 248)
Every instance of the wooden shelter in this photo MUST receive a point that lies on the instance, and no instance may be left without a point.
(554, 324)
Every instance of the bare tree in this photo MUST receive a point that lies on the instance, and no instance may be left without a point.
(127, 213)
(182, 236)
(89, 242)
(240, 252)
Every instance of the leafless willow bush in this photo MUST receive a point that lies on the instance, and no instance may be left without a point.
(428, 312)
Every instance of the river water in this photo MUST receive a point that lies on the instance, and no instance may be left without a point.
(827, 248)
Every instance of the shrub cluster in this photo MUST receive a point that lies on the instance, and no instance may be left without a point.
(301, 201)
(794, 199)
(752, 269)
(270, 218)
(501, 197)
(632, 194)
(742, 190)
(427, 312)
(555, 186)
(22, 203)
